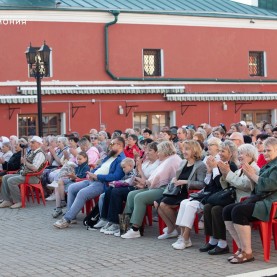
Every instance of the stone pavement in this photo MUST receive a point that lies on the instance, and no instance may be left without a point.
(31, 246)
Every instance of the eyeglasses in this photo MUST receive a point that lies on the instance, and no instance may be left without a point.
(93, 138)
(113, 143)
(258, 142)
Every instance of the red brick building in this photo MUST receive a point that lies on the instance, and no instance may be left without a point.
(133, 65)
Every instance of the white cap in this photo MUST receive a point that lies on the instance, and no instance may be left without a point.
(5, 139)
(243, 123)
(37, 139)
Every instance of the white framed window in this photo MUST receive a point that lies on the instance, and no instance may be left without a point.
(257, 64)
(153, 65)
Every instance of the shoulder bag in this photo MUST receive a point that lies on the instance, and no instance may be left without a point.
(223, 197)
(172, 190)
(259, 197)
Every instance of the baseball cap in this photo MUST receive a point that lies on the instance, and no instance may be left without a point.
(173, 131)
(37, 139)
(5, 139)
(243, 123)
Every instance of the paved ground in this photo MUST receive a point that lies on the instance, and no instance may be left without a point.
(31, 246)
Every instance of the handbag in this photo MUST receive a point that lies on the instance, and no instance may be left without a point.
(223, 197)
(258, 197)
(172, 190)
(199, 195)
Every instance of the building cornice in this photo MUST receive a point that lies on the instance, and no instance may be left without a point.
(126, 83)
(134, 18)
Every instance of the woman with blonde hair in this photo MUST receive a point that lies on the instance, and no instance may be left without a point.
(190, 175)
(151, 189)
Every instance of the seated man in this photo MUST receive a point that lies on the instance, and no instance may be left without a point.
(78, 193)
(34, 162)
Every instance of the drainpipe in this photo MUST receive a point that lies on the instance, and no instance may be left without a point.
(116, 13)
(107, 62)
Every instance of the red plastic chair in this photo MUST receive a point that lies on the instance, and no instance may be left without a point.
(266, 228)
(162, 224)
(148, 215)
(38, 187)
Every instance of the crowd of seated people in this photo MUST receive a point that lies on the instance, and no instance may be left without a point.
(134, 168)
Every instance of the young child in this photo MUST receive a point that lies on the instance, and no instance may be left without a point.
(128, 180)
(67, 177)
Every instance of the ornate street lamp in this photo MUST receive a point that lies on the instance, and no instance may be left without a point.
(38, 60)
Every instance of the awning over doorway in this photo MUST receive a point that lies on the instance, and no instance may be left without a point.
(17, 99)
(222, 97)
(103, 90)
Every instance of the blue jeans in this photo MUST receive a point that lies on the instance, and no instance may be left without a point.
(113, 203)
(78, 194)
(100, 202)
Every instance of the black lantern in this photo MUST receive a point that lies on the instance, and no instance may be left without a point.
(38, 61)
(44, 53)
(31, 54)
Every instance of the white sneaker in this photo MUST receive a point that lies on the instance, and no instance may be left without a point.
(101, 223)
(180, 239)
(173, 234)
(117, 234)
(6, 204)
(52, 197)
(200, 225)
(182, 245)
(114, 228)
(54, 184)
(165, 229)
(131, 234)
(16, 205)
(103, 229)
(61, 224)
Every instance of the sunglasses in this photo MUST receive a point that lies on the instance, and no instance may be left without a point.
(93, 138)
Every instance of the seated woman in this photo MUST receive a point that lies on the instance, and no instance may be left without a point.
(213, 222)
(237, 217)
(14, 161)
(260, 147)
(190, 175)
(55, 157)
(152, 188)
(6, 154)
(190, 207)
(114, 197)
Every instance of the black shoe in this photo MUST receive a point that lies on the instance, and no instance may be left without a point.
(207, 247)
(218, 250)
(141, 230)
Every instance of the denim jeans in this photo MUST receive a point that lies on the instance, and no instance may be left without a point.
(100, 202)
(78, 194)
(113, 203)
